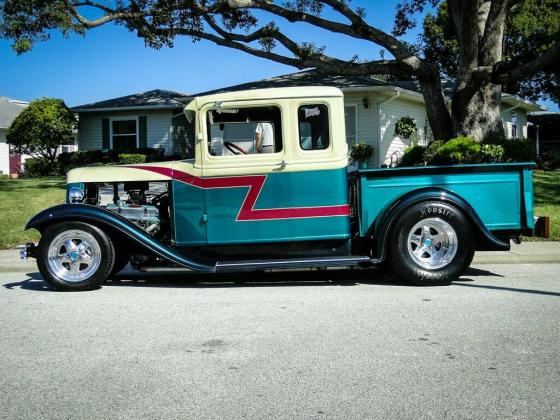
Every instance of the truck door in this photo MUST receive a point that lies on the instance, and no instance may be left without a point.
(256, 189)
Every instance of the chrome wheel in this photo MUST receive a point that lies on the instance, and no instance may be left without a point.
(432, 243)
(74, 255)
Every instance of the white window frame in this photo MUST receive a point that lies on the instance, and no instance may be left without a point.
(124, 118)
(355, 106)
(514, 125)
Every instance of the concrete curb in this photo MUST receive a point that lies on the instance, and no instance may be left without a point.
(526, 253)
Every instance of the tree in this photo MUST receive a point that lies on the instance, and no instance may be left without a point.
(529, 31)
(41, 128)
(250, 26)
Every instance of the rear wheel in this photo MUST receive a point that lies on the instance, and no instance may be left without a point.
(432, 245)
(75, 256)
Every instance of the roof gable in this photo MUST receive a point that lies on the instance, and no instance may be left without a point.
(152, 99)
(9, 110)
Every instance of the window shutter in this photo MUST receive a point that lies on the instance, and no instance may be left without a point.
(143, 132)
(105, 133)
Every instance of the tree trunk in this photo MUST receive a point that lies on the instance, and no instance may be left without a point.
(436, 108)
(479, 117)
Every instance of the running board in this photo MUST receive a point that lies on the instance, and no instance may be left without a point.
(290, 263)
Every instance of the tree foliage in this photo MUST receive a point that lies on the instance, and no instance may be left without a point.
(41, 128)
(530, 30)
(259, 27)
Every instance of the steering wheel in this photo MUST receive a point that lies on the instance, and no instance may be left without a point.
(234, 148)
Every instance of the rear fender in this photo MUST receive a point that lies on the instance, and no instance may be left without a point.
(111, 221)
(382, 227)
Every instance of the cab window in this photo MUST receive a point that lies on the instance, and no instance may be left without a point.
(313, 122)
(244, 131)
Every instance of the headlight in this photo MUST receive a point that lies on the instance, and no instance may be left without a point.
(76, 195)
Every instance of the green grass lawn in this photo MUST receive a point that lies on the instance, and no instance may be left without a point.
(20, 199)
(547, 199)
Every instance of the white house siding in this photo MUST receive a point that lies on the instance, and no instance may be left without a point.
(507, 118)
(391, 111)
(366, 120)
(4, 154)
(158, 129)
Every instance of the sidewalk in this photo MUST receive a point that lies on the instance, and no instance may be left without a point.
(527, 252)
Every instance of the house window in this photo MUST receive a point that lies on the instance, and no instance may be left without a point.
(313, 127)
(351, 123)
(244, 131)
(514, 134)
(125, 134)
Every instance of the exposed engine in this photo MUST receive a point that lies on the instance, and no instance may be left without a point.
(145, 216)
(148, 210)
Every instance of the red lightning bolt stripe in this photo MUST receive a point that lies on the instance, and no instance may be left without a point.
(255, 184)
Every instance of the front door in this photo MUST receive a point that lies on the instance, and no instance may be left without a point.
(259, 178)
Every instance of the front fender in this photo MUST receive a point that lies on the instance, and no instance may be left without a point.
(383, 225)
(105, 218)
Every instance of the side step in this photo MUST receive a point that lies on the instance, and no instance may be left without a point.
(290, 263)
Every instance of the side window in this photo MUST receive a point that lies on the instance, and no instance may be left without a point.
(313, 121)
(244, 131)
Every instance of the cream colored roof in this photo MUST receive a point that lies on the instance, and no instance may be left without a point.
(274, 93)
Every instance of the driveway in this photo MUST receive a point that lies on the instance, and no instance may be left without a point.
(311, 344)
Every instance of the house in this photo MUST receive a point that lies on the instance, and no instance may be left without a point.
(545, 130)
(152, 119)
(372, 107)
(9, 110)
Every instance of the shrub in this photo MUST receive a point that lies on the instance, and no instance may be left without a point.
(522, 150)
(36, 167)
(491, 153)
(458, 150)
(432, 149)
(131, 158)
(413, 156)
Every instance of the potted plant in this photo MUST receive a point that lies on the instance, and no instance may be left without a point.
(361, 152)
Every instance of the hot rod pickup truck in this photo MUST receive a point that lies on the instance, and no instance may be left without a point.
(268, 187)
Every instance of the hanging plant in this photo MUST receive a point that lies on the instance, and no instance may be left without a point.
(405, 127)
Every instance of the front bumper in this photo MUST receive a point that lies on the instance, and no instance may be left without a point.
(27, 250)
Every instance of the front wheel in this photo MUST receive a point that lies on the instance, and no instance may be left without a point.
(75, 256)
(432, 244)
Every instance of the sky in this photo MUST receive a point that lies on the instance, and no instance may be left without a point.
(111, 62)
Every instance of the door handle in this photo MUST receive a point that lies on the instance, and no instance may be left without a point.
(283, 164)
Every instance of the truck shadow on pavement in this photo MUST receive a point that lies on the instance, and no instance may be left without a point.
(302, 278)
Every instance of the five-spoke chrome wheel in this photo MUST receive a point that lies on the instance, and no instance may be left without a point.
(74, 255)
(432, 243)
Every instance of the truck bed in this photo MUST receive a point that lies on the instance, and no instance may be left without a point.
(500, 193)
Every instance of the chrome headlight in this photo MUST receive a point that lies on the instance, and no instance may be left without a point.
(76, 195)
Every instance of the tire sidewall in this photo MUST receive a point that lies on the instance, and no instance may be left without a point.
(403, 263)
(92, 282)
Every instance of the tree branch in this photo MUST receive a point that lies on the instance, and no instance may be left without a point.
(505, 74)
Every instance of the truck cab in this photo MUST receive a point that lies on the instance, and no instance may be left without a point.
(268, 187)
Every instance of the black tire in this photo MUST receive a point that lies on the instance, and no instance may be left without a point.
(58, 273)
(415, 265)
(121, 260)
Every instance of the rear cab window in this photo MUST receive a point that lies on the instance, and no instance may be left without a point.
(313, 124)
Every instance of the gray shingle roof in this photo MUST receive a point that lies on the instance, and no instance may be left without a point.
(9, 110)
(313, 78)
(157, 98)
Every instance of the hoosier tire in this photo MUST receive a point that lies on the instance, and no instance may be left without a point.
(432, 244)
(75, 256)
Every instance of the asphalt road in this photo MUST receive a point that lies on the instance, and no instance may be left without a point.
(336, 344)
